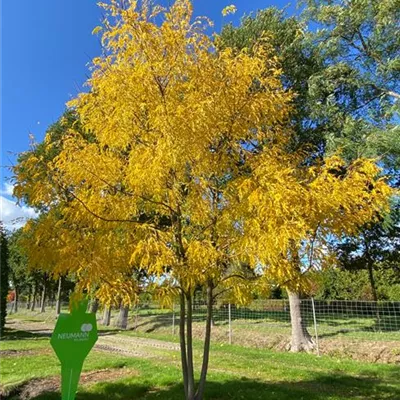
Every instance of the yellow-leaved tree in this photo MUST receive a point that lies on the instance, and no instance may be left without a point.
(59, 246)
(184, 163)
(331, 199)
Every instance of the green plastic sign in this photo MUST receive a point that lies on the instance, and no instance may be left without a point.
(73, 337)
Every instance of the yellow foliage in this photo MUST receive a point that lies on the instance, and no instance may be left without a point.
(229, 10)
(185, 173)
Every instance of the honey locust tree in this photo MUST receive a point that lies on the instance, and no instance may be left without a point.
(345, 76)
(54, 245)
(188, 163)
(58, 248)
(169, 119)
(333, 200)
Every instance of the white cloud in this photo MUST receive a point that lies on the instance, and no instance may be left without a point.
(7, 189)
(13, 215)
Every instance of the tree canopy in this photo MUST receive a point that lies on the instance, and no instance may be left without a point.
(181, 166)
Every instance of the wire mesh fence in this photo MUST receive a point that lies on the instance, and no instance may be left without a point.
(362, 330)
(324, 319)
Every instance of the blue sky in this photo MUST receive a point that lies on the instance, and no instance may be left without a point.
(46, 46)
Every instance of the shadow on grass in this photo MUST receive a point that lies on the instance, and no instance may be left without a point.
(155, 322)
(334, 324)
(336, 386)
(15, 334)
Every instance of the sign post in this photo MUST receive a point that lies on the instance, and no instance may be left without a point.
(73, 337)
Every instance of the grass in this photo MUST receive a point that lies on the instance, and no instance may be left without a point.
(235, 373)
(339, 336)
(330, 325)
(35, 359)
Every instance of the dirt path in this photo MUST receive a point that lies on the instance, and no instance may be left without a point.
(112, 341)
(108, 341)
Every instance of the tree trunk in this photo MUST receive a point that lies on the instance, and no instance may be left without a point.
(186, 345)
(43, 300)
(301, 340)
(182, 342)
(94, 306)
(16, 298)
(58, 302)
(106, 316)
(122, 320)
(370, 266)
(34, 297)
(372, 280)
(374, 292)
(189, 349)
(206, 351)
(28, 303)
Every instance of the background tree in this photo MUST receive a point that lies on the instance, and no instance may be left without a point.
(28, 281)
(345, 76)
(360, 90)
(4, 284)
(357, 92)
(299, 61)
(377, 247)
(20, 277)
(341, 284)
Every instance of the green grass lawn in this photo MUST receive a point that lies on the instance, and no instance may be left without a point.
(235, 373)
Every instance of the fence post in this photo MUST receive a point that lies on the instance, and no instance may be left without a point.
(230, 323)
(315, 325)
(173, 318)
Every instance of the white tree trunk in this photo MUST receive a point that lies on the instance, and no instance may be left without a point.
(301, 340)
(58, 303)
(43, 300)
(106, 316)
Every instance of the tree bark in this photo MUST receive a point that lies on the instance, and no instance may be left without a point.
(189, 343)
(122, 320)
(28, 302)
(182, 342)
(16, 298)
(106, 316)
(301, 340)
(34, 297)
(94, 306)
(58, 302)
(372, 280)
(43, 300)
(370, 267)
(207, 339)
